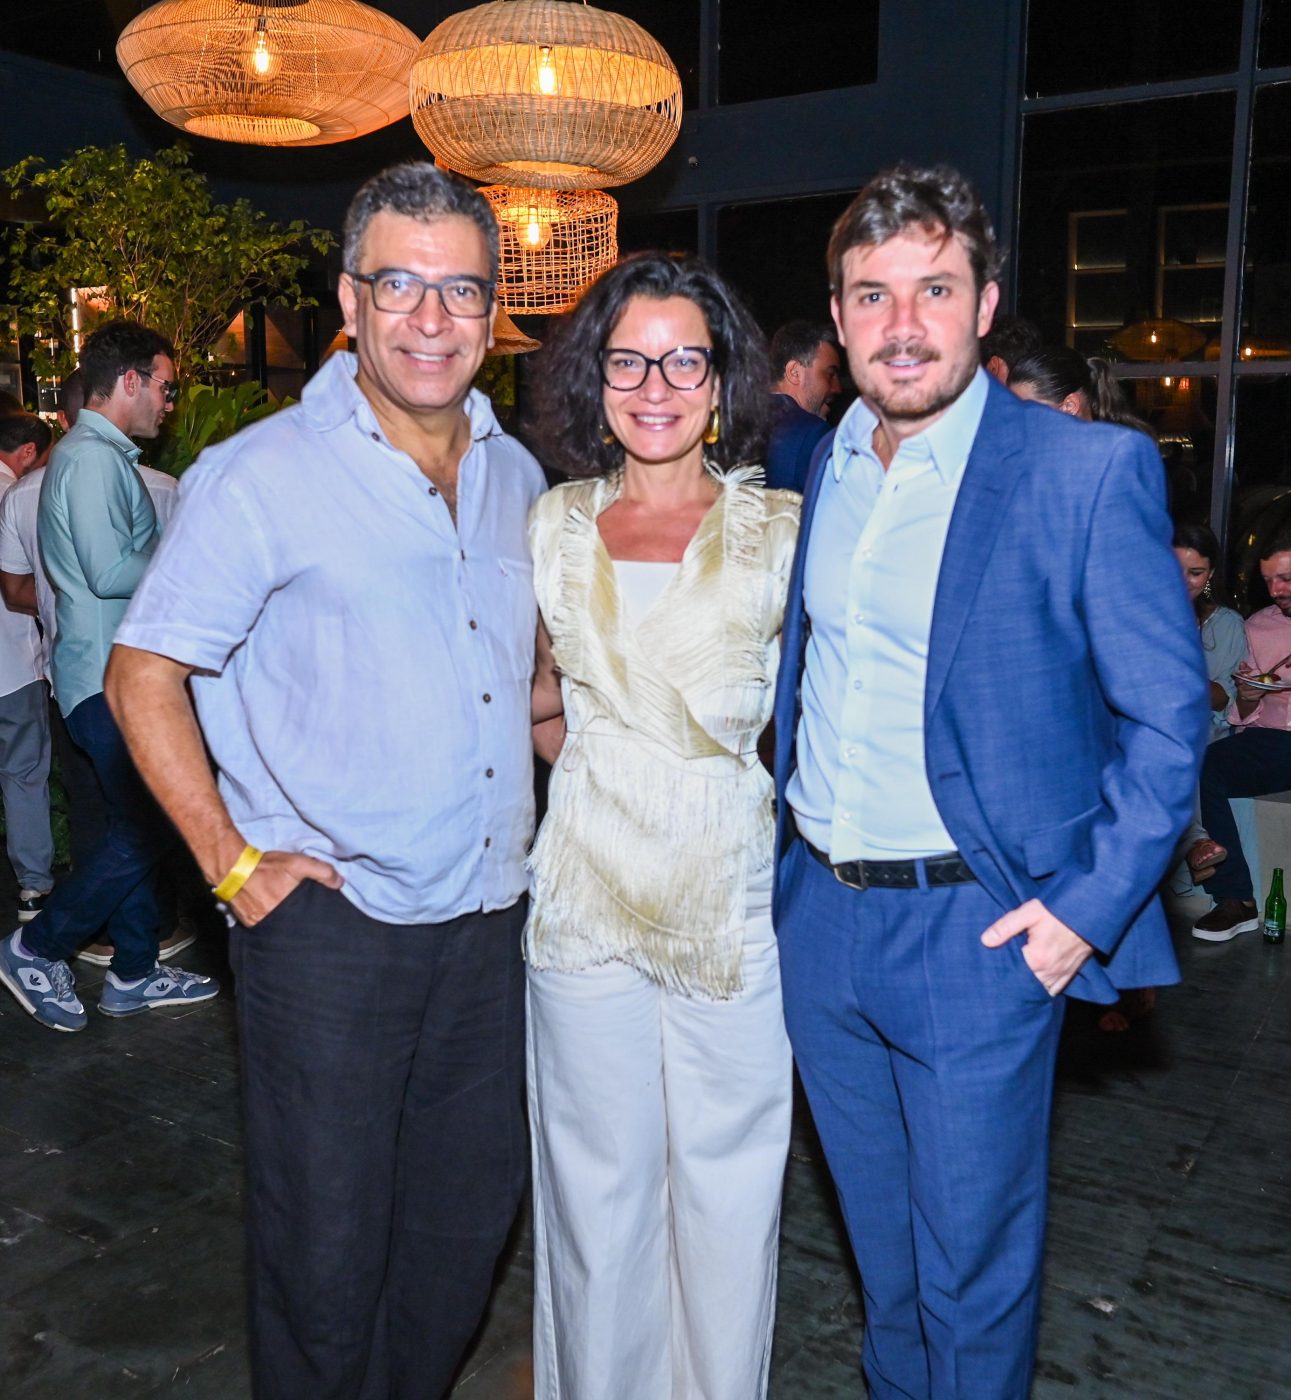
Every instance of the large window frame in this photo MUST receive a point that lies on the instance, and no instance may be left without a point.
(1244, 83)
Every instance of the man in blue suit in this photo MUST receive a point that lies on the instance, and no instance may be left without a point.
(994, 692)
(805, 365)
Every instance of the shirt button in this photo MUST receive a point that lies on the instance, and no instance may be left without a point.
(376, 437)
(851, 750)
(488, 699)
(858, 618)
(433, 492)
(857, 685)
(463, 553)
(475, 626)
(488, 841)
(488, 772)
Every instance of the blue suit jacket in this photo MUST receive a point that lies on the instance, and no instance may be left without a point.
(795, 435)
(1066, 708)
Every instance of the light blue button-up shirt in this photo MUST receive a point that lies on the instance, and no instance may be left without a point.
(97, 531)
(366, 665)
(861, 789)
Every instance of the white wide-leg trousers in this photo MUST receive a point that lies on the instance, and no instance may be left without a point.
(660, 1132)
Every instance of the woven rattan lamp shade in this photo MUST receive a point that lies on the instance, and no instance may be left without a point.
(269, 72)
(549, 93)
(509, 339)
(553, 245)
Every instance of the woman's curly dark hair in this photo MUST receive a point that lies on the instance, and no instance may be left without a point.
(570, 422)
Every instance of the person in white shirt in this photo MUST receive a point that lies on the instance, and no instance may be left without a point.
(24, 711)
(26, 588)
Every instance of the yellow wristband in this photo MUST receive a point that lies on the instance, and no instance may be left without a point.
(239, 875)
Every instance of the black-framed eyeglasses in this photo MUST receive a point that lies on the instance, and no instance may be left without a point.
(169, 387)
(401, 293)
(686, 367)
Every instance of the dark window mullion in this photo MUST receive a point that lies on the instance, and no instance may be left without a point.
(1234, 267)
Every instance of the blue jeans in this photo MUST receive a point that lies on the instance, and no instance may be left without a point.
(928, 1060)
(1249, 763)
(114, 885)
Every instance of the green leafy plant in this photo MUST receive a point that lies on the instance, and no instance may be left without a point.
(151, 240)
(204, 416)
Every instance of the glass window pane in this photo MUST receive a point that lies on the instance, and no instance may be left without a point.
(673, 230)
(1275, 33)
(1266, 304)
(1113, 43)
(1261, 477)
(676, 27)
(1181, 411)
(775, 254)
(1124, 218)
(768, 51)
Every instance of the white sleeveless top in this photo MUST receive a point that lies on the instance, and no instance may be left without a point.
(660, 812)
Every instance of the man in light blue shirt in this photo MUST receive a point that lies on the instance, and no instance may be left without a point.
(97, 531)
(348, 586)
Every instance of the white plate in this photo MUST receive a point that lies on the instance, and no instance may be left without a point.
(1262, 685)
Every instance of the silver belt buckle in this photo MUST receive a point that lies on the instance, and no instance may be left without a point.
(860, 883)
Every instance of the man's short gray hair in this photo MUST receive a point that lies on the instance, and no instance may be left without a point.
(422, 191)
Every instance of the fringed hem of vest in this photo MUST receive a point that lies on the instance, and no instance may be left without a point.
(655, 824)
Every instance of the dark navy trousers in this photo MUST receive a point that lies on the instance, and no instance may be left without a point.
(383, 1087)
(928, 1060)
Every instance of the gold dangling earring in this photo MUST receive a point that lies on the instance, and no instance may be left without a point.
(714, 430)
(607, 437)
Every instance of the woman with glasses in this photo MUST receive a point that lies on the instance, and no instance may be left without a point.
(659, 1070)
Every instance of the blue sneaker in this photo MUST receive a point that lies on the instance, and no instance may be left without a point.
(43, 986)
(163, 986)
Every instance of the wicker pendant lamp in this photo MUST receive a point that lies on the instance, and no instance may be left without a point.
(551, 94)
(269, 72)
(552, 245)
(509, 339)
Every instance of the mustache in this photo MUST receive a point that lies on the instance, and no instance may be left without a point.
(895, 350)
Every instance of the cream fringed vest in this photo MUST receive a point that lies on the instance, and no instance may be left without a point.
(659, 807)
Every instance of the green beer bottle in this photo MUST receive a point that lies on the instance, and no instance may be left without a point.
(1275, 911)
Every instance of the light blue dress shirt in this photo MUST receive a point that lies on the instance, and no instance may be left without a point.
(97, 530)
(861, 789)
(366, 666)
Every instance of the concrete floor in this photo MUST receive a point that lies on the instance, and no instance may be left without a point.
(1169, 1268)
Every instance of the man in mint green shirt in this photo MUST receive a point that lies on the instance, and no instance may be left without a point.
(97, 530)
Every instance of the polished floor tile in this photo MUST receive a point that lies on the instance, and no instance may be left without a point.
(1169, 1268)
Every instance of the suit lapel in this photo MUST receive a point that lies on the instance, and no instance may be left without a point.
(990, 478)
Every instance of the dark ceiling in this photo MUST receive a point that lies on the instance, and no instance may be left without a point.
(83, 33)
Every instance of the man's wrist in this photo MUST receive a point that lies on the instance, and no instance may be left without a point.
(222, 857)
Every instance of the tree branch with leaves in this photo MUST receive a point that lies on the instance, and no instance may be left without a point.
(150, 234)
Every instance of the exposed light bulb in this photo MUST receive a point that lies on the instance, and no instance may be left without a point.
(1167, 381)
(534, 233)
(548, 82)
(1153, 337)
(264, 62)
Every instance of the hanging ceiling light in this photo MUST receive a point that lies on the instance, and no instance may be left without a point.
(509, 339)
(552, 244)
(269, 72)
(550, 93)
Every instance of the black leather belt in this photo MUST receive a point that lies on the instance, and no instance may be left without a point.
(951, 869)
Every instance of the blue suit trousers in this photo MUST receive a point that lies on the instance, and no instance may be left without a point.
(928, 1060)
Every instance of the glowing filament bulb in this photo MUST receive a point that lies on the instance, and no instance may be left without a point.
(534, 233)
(264, 62)
(1153, 337)
(547, 80)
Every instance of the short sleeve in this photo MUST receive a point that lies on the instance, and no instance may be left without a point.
(13, 557)
(209, 578)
